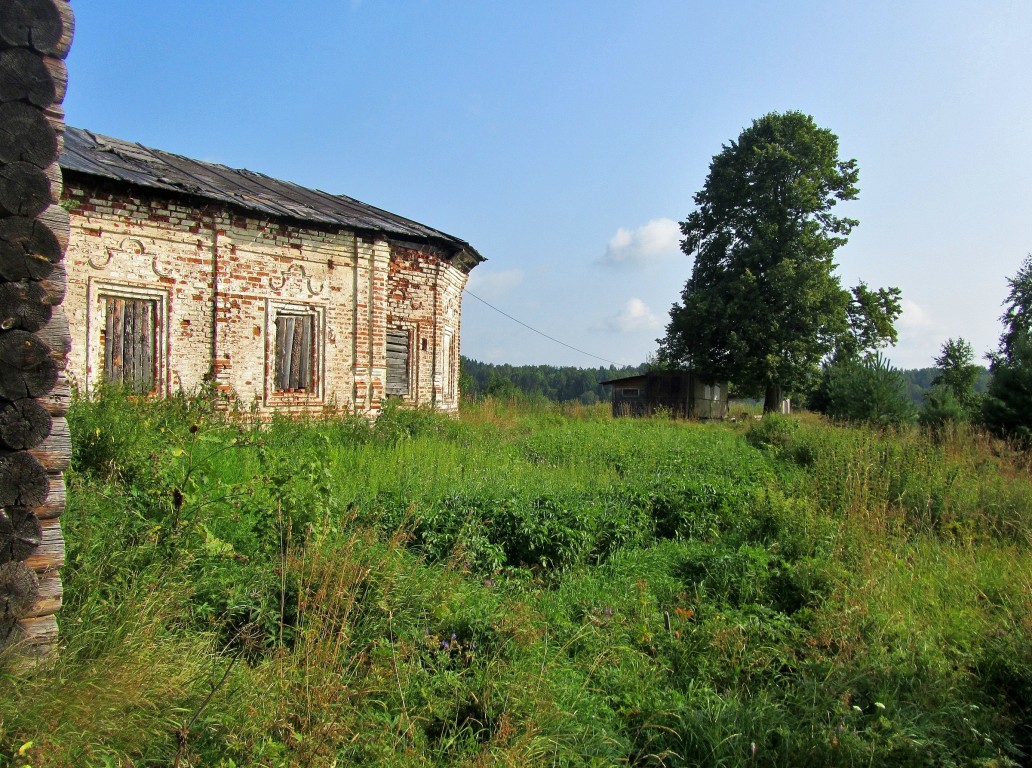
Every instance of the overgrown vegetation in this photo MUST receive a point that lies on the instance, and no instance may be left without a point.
(532, 586)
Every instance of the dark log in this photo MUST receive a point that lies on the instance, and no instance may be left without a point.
(58, 337)
(19, 590)
(20, 534)
(27, 368)
(46, 26)
(51, 594)
(29, 248)
(57, 400)
(23, 481)
(23, 305)
(27, 76)
(54, 286)
(55, 451)
(57, 499)
(50, 554)
(26, 135)
(24, 423)
(58, 221)
(25, 190)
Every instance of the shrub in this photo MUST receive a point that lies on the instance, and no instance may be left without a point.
(869, 390)
(772, 431)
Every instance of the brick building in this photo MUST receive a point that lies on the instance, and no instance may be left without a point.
(180, 272)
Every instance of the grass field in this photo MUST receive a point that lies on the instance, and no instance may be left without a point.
(532, 586)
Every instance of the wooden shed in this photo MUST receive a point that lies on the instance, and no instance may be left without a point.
(682, 394)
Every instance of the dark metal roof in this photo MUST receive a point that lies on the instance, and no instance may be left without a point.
(103, 156)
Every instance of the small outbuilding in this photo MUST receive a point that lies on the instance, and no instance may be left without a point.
(682, 394)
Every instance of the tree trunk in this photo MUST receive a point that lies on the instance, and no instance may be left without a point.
(34, 337)
(23, 305)
(58, 221)
(25, 190)
(27, 368)
(26, 135)
(19, 590)
(54, 452)
(24, 424)
(772, 399)
(46, 26)
(23, 480)
(27, 76)
(57, 499)
(58, 337)
(20, 534)
(29, 248)
(50, 554)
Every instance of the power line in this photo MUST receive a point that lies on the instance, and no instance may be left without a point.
(540, 333)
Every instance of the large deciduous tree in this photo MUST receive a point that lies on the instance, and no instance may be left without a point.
(763, 305)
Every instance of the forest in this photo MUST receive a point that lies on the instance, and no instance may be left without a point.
(563, 384)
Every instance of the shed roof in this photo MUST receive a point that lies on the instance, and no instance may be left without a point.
(132, 163)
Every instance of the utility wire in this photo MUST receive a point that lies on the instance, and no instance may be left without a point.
(540, 333)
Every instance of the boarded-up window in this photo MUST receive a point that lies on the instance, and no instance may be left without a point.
(447, 365)
(130, 343)
(398, 362)
(295, 353)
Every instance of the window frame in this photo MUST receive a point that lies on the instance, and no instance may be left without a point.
(315, 314)
(409, 335)
(100, 291)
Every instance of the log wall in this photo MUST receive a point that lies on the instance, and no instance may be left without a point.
(34, 338)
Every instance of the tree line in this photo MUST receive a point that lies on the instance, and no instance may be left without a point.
(547, 382)
(562, 384)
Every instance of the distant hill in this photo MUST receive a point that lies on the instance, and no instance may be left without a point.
(565, 383)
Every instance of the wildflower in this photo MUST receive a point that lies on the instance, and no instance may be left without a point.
(444, 645)
(489, 582)
(608, 611)
(879, 705)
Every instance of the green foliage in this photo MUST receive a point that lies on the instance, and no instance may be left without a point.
(772, 431)
(872, 317)
(868, 390)
(763, 306)
(941, 408)
(531, 585)
(1007, 409)
(555, 383)
(958, 372)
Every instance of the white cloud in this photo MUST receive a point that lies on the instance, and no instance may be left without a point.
(646, 244)
(914, 317)
(635, 316)
(493, 285)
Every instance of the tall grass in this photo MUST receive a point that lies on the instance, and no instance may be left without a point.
(531, 586)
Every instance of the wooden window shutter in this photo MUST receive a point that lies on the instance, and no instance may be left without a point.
(130, 343)
(398, 345)
(295, 358)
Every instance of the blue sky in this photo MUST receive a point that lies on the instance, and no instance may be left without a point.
(565, 140)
